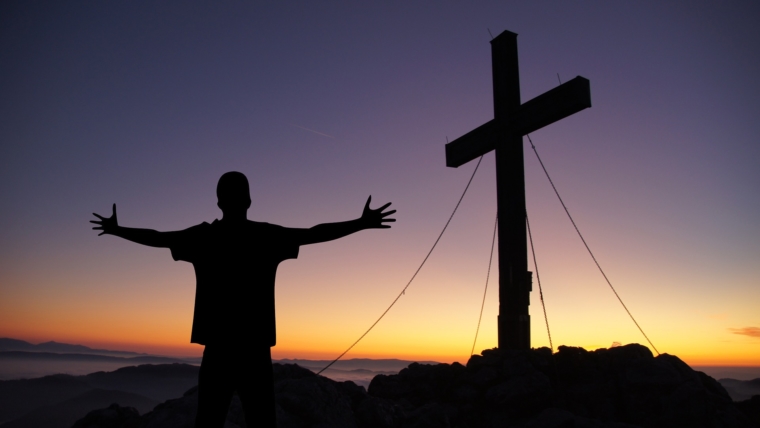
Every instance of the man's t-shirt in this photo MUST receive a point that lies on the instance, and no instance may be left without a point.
(235, 269)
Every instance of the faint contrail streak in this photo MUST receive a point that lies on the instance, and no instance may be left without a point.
(311, 130)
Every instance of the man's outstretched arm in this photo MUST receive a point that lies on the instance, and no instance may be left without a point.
(370, 219)
(151, 238)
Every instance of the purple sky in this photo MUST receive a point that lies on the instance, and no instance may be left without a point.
(147, 104)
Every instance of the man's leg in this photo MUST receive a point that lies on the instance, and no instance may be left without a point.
(215, 388)
(256, 389)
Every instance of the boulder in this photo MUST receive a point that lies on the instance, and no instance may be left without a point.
(621, 386)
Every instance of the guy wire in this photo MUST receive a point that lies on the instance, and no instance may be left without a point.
(490, 260)
(415, 273)
(538, 279)
(587, 247)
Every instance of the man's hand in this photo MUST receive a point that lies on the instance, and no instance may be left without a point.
(107, 225)
(375, 219)
(370, 219)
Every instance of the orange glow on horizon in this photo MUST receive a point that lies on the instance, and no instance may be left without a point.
(178, 347)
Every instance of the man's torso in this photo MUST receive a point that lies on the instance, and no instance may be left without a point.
(235, 268)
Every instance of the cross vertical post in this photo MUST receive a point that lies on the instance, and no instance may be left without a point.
(514, 281)
(504, 135)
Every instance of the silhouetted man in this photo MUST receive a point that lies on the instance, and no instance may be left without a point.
(235, 263)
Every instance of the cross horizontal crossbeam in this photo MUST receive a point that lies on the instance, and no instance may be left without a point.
(547, 108)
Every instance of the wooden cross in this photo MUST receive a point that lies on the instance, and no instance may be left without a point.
(504, 135)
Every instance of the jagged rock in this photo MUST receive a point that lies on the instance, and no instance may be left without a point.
(315, 401)
(175, 413)
(619, 387)
(375, 412)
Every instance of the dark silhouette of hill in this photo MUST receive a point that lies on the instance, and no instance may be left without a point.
(156, 383)
(751, 408)
(741, 390)
(381, 365)
(619, 387)
(65, 413)
(114, 416)
(18, 397)
(357, 370)
(8, 344)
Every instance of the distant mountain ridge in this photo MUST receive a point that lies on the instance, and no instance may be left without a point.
(139, 359)
(23, 360)
(8, 344)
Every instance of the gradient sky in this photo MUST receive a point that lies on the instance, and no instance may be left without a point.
(321, 104)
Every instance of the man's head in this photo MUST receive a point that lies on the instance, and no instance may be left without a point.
(232, 192)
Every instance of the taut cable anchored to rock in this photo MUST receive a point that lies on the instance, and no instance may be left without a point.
(535, 262)
(403, 291)
(503, 135)
(538, 279)
(556, 192)
(488, 275)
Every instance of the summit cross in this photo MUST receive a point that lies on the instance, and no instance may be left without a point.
(504, 134)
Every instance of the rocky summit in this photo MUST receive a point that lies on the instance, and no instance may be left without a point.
(624, 386)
